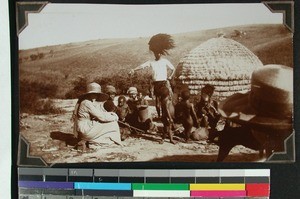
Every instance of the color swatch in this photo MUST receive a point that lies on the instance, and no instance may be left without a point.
(76, 183)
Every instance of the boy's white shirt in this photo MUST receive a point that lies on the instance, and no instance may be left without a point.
(159, 68)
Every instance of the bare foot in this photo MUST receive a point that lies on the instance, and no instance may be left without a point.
(82, 144)
(188, 140)
(173, 142)
(161, 142)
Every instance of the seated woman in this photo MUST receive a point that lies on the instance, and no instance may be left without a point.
(138, 116)
(92, 123)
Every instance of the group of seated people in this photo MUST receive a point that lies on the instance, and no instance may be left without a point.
(102, 118)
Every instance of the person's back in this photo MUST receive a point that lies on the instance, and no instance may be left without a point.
(159, 69)
(143, 109)
(94, 123)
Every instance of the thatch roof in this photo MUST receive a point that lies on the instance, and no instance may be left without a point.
(221, 62)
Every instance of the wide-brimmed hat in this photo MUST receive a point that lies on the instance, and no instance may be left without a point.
(94, 88)
(132, 90)
(269, 104)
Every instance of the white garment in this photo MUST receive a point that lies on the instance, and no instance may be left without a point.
(103, 129)
(159, 68)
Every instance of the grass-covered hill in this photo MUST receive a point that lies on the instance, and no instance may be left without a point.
(112, 58)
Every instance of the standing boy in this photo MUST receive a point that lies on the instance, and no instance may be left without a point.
(168, 113)
(159, 44)
(186, 114)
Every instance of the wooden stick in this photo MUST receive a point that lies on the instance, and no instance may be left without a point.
(131, 127)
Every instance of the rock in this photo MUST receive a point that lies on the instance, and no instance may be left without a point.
(24, 125)
(24, 115)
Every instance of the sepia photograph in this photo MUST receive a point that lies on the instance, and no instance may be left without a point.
(155, 83)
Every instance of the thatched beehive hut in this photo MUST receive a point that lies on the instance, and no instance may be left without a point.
(221, 62)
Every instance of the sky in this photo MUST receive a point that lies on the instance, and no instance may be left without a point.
(67, 23)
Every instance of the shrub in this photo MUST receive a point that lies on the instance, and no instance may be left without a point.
(47, 107)
(33, 57)
(122, 82)
(41, 55)
(79, 88)
(31, 97)
(119, 80)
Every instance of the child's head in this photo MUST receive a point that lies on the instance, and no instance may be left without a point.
(109, 106)
(111, 91)
(205, 98)
(121, 100)
(132, 92)
(185, 94)
(141, 95)
(208, 89)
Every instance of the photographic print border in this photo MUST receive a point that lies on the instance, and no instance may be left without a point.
(22, 10)
(284, 177)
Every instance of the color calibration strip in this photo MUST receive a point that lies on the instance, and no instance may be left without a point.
(54, 183)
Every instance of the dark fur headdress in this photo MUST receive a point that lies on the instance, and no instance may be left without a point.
(161, 43)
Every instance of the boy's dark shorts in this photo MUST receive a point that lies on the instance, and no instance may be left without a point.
(157, 86)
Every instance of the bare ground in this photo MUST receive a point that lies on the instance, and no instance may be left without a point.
(50, 137)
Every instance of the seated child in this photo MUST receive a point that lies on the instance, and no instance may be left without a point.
(122, 108)
(207, 113)
(186, 114)
(168, 112)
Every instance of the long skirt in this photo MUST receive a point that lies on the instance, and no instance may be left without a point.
(103, 133)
